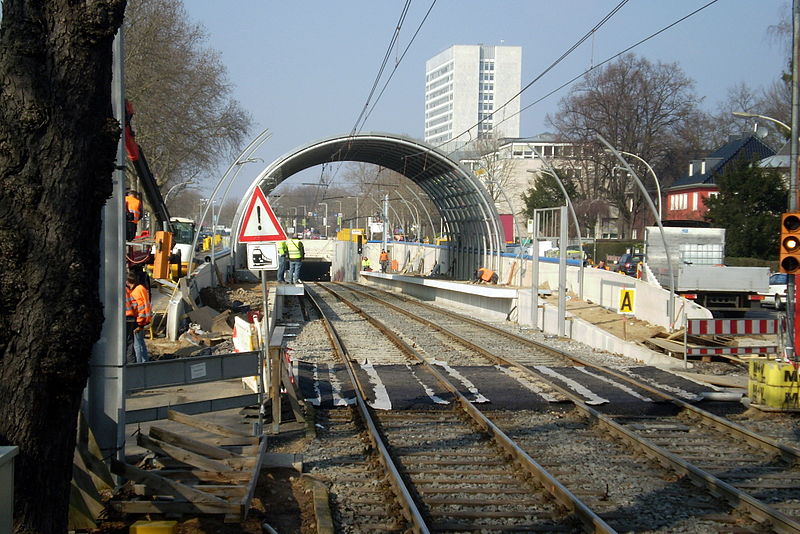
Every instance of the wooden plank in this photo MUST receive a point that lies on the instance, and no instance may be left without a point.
(193, 445)
(219, 490)
(176, 507)
(253, 480)
(194, 475)
(180, 454)
(322, 510)
(196, 422)
(291, 393)
(161, 484)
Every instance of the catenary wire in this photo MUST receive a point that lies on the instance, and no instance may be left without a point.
(561, 58)
(386, 57)
(611, 58)
(397, 64)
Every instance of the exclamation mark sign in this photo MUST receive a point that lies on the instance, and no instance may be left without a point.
(258, 214)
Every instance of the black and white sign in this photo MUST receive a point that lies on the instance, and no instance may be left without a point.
(262, 256)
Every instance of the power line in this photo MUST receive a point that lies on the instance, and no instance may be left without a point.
(563, 56)
(397, 64)
(386, 57)
(611, 58)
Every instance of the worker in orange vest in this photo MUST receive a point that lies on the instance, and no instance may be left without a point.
(138, 314)
(483, 275)
(133, 207)
(384, 260)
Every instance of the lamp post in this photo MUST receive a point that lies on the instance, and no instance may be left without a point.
(745, 114)
(671, 301)
(174, 187)
(649, 168)
(428, 213)
(303, 218)
(552, 172)
(792, 306)
(325, 219)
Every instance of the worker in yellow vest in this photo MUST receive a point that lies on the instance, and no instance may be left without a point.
(283, 261)
(296, 253)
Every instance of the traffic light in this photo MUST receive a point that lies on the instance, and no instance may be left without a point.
(789, 262)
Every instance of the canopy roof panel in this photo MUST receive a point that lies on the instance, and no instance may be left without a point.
(467, 210)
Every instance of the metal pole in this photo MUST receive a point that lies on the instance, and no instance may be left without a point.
(671, 301)
(105, 391)
(649, 168)
(535, 271)
(213, 249)
(386, 225)
(574, 215)
(562, 272)
(263, 353)
(792, 305)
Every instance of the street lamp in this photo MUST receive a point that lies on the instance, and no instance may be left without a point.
(791, 285)
(671, 301)
(325, 219)
(649, 168)
(747, 115)
(174, 187)
(562, 283)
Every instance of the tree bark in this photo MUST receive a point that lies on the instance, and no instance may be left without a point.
(58, 139)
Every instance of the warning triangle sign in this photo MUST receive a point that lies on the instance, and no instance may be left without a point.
(259, 223)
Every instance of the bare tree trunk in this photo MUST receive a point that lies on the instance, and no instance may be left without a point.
(57, 146)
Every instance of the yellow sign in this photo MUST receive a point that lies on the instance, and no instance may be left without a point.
(627, 297)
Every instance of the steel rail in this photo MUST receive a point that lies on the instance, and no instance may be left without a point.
(406, 501)
(786, 452)
(578, 508)
(757, 509)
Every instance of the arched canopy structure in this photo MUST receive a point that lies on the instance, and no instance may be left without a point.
(468, 212)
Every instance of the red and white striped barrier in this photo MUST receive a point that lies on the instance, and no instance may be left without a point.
(731, 327)
(711, 351)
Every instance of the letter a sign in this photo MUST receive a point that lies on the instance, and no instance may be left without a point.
(627, 298)
(259, 223)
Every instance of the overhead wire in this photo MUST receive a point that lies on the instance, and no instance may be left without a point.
(386, 57)
(397, 64)
(561, 58)
(610, 58)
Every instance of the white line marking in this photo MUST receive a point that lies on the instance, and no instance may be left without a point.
(525, 382)
(382, 401)
(428, 391)
(623, 387)
(461, 378)
(592, 398)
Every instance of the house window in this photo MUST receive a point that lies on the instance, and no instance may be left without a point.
(678, 202)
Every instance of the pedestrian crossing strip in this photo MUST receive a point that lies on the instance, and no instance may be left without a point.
(405, 386)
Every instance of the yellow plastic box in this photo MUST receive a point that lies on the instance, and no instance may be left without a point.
(773, 373)
(154, 527)
(774, 396)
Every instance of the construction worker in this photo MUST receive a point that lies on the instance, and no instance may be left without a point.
(384, 260)
(483, 275)
(133, 207)
(296, 253)
(138, 315)
(283, 261)
(366, 264)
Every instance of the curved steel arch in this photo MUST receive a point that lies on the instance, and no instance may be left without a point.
(469, 214)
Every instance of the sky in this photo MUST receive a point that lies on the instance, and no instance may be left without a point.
(304, 70)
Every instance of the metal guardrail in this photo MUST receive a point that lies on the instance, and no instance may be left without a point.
(196, 370)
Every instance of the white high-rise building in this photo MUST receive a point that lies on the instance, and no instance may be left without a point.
(465, 84)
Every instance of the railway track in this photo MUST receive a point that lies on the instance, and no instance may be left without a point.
(678, 439)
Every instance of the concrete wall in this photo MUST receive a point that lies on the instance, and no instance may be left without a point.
(599, 286)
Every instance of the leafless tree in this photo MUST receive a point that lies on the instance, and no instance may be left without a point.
(186, 121)
(638, 106)
(59, 141)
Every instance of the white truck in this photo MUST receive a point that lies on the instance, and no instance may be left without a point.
(698, 256)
